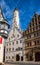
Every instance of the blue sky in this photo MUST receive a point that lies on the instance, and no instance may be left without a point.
(26, 10)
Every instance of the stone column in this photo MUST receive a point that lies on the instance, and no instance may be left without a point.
(20, 57)
(14, 57)
(24, 58)
(33, 56)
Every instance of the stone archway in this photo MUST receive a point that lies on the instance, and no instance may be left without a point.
(21, 58)
(37, 56)
(17, 57)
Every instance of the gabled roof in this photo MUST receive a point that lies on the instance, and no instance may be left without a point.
(32, 20)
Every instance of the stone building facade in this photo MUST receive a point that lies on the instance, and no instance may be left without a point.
(14, 43)
(32, 39)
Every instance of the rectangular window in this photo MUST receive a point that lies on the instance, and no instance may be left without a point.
(9, 49)
(28, 36)
(30, 43)
(12, 57)
(9, 43)
(36, 27)
(35, 34)
(16, 42)
(39, 22)
(35, 42)
(38, 42)
(9, 57)
(13, 49)
(3, 26)
(33, 24)
(36, 23)
(13, 43)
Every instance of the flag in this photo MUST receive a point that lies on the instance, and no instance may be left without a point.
(0, 40)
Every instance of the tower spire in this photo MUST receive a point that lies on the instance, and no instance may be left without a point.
(16, 18)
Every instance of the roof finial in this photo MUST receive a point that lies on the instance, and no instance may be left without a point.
(16, 9)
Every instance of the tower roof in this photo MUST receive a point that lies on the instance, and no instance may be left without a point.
(15, 9)
(1, 13)
(2, 18)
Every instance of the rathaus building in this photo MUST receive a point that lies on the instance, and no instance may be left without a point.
(32, 39)
(14, 43)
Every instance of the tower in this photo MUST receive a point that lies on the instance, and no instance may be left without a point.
(16, 18)
(4, 26)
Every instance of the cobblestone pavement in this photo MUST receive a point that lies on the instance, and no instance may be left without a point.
(22, 63)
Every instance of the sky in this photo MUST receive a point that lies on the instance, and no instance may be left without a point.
(26, 10)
